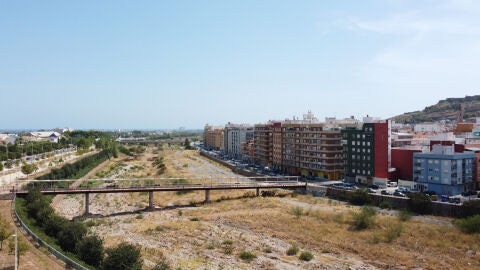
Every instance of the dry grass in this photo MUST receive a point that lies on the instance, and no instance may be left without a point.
(267, 227)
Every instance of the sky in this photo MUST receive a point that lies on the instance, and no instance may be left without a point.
(170, 64)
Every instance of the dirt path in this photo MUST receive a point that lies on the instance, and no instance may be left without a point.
(34, 258)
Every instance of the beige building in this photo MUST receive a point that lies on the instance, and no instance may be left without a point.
(213, 137)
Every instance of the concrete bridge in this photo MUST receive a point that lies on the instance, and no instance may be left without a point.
(267, 183)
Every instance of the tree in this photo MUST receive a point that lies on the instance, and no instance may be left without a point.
(29, 168)
(90, 250)
(70, 235)
(8, 164)
(123, 257)
(1, 166)
(22, 247)
(187, 145)
(5, 231)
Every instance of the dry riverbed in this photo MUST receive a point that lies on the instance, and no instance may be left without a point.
(213, 236)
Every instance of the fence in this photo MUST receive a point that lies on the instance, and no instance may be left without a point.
(71, 263)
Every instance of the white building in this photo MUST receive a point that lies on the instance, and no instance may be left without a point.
(233, 137)
(428, 127)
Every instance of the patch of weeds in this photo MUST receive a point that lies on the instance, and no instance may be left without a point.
(159, 228)
(365, 218)
(228, 250)
(292, 250)
(297, 211)
(228, 242)
(247, 256)
(139, 216)
(385, 205)
(393, 232)
(268, 249)
(194, 219)
(375, 239)
(404, 215)
(306, 256)
(179, 213)
(211, 246)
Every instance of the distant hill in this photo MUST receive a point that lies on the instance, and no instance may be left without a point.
(447, 109)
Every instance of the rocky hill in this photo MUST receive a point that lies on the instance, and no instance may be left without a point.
(447, 109)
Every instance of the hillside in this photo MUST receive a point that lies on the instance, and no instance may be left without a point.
(447, 109)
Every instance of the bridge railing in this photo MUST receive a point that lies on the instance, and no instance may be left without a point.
(51, 249)
(159, 182)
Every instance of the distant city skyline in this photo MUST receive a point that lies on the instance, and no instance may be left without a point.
(165, 65)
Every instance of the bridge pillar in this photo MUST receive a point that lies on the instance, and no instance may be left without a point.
(150, 200)
(207, 196)
(258, 191)
(87, 203)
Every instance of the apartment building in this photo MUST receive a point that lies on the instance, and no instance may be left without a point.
(213, 137)
(444, 171)
(367, 151)
(312, 149)
(234, 136)
(267, 144)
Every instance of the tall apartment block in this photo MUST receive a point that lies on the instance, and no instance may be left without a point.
(213, 137)
(267, 144)
(367, 151)
(234, 136)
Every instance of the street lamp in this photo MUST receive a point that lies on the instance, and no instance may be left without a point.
(16, 248)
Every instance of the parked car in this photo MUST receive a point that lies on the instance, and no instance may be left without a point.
(429, 192)
(374, 187)
(399, 194)
(469, 193)
(371, 190)
(384, 192)
(454, 200)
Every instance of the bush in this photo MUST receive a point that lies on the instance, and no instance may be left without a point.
(420, 203)
(297, 211)
(90, 250)
(469, 225)
(470, 208)
(394, 230)
(385, 205)
(365, 218)
(306, 256)
(292, 250)
(123, 257)
(269, 193)
(359, 197)
(404, 215)
(247, 256)
(70, 235)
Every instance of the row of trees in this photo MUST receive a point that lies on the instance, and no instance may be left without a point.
(20, 149)
(73, 237)
(78, 168)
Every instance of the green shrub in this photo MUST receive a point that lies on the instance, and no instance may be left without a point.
(268, 249)
(139, 216)
(365, 218)
(470, 208)
(292, 250)
(297, 211)
(420, 203)
(247, 256)
(194, 219)
(359, 197)
(469, 225)
(394, 230)
(306, 256)
(404, 215)
(269, 193)
(385, 205)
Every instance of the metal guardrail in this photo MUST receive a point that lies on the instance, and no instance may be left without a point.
(51, 249)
